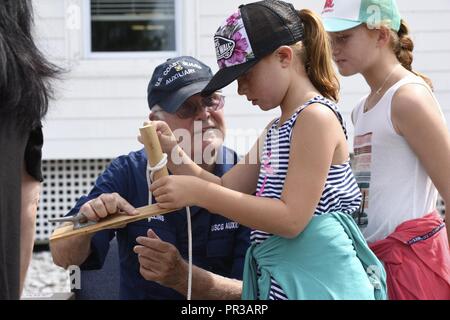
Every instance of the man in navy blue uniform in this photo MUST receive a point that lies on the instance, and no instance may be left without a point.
(219, 245)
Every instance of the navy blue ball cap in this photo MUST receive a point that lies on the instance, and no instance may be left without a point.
(175, 81)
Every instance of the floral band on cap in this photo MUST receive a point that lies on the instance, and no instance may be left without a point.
(232, 44)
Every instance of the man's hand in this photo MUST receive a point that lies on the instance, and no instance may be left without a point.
(106, 204)
(160, 261)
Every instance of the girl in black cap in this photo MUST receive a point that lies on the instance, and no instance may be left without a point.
(305, 243)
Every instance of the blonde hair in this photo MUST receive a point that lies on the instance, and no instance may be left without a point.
(316, 55)
(403, 46)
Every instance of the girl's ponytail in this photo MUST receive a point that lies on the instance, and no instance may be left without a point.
(403, 48)
(317, 56)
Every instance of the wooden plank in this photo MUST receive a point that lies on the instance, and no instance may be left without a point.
(154, 154)
(110, 222)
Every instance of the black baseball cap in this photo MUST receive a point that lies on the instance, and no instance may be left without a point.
(251, 33)
(175, 80)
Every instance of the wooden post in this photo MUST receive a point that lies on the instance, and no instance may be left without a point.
(153, 149)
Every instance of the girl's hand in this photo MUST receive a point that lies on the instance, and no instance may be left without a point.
(174, 192)
(166, 137)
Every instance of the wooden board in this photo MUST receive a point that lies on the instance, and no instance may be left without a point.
(110, 222)
(154, 155)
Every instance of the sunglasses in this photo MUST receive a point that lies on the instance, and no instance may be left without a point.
(213, 102)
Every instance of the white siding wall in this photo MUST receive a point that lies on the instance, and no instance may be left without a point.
(102, 102)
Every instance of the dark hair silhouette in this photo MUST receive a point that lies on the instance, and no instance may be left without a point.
(25, 74)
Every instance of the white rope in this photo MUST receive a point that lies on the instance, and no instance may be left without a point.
(189, 292)
(150, 174)
(161, 164)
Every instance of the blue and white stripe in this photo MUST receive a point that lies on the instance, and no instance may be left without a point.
(341, 192)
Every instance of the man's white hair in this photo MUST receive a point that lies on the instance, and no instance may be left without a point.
(158, 111)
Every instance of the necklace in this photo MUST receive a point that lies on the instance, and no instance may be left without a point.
(378, 92)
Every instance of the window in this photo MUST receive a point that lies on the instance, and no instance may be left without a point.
(119, 26)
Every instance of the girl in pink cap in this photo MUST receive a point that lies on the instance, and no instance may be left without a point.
(401, 147)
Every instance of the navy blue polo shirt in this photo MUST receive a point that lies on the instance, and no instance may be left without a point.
(219, 244)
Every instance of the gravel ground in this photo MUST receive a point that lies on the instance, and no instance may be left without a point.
(45, 278)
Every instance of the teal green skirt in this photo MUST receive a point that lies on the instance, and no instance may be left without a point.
(329, 260)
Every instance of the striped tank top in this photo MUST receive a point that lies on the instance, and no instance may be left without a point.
(341, 192)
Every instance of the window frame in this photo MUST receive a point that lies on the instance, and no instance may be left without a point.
(131, 54)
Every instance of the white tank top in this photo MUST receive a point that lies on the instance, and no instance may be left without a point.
(394, 184)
